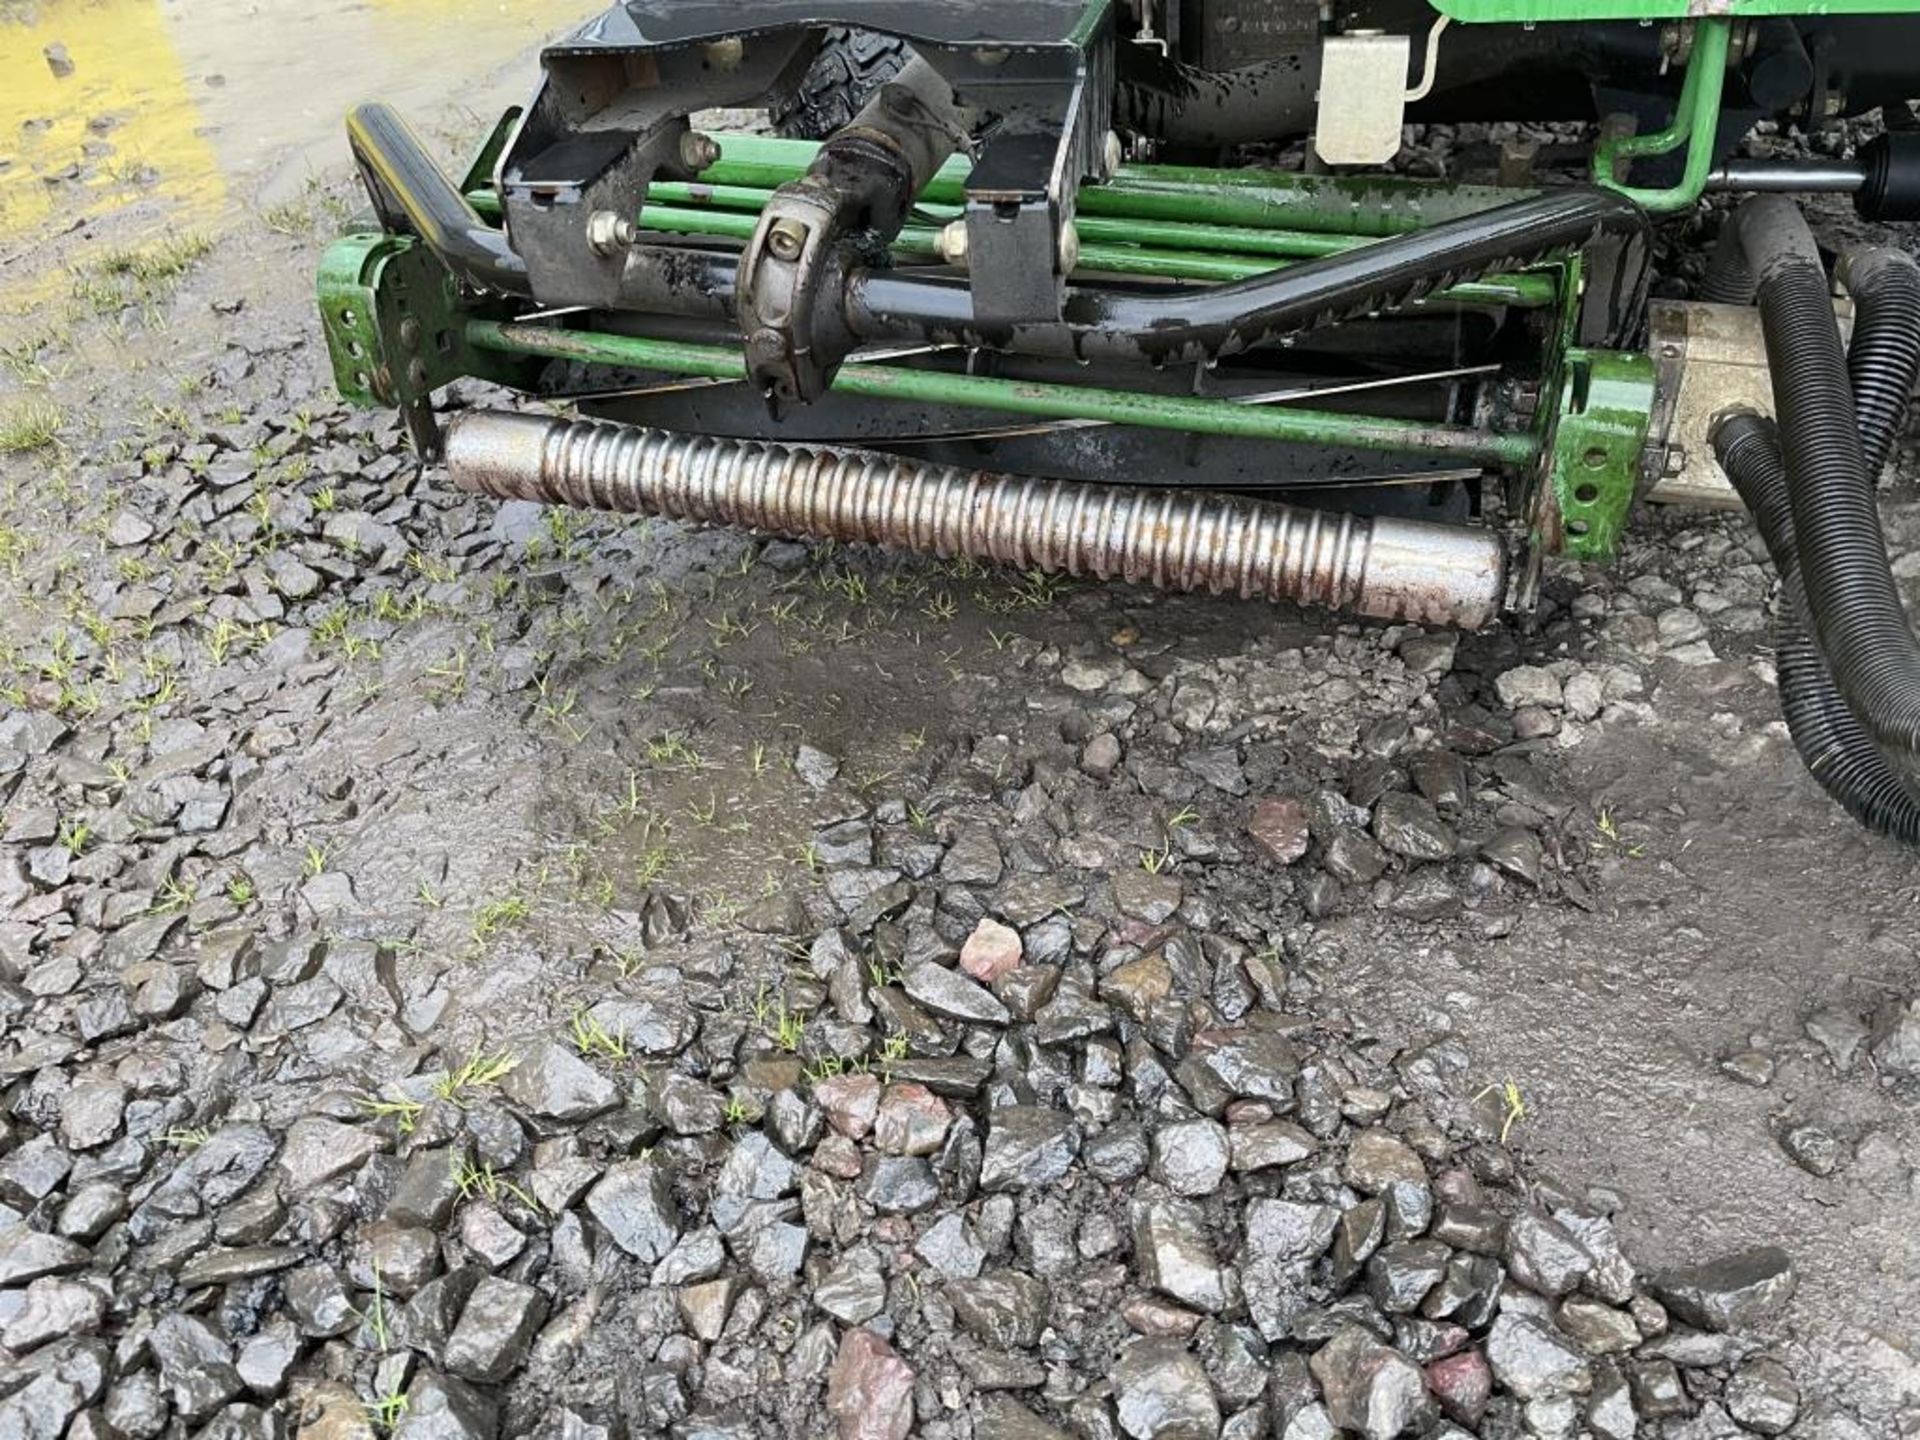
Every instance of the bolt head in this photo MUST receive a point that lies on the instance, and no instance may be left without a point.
(608, 232)
(786, 239)
(952, 243)
(699, 152)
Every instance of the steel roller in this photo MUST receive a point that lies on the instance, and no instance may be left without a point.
(1383, 568)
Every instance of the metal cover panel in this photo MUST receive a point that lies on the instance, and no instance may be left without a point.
(1363, 99)
(1236, 33)
(646, 24)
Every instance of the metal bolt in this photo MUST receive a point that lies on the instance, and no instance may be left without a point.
(417, 374)
(951, 245)
(699, 152)
(608, 233)
(787, 239)
(951, 242)
(1111, 154)
(410, 333)
(1069, 248)
(726, 54)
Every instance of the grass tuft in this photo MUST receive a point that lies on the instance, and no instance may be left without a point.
(479, 1071)
(33, 425)
(591, 1038)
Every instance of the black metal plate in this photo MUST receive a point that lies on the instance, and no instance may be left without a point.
(650, 24)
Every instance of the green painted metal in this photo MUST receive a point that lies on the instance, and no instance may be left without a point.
(1590, 426)
(1173, 234)
(1041, 400)
(919, 242)
(1293, 214)
(1164, 249)
(1535, 11)
(1696, 123)
(1600, 422)
(1347, 205)
(395, 328)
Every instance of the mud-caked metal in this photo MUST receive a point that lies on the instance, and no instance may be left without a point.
(925, 328)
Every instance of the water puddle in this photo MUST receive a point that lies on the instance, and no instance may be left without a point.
(175, 115)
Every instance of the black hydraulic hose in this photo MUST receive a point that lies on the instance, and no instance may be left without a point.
(1832, 744)
(1851, 598)
(409, 189)
(1885, 355)
(1225, 319)
(1729, 279)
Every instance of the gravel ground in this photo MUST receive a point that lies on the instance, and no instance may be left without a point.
(470, 971)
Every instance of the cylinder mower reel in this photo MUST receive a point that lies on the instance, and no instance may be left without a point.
(1030, 296)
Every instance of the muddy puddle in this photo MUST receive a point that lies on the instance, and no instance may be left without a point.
(122, 121)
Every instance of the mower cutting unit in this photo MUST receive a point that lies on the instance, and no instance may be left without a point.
(1023, 280)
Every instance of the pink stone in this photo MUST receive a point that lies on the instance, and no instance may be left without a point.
(850, 1101)
(991, 950)
(837, 1156)
(1279, 827)
(1463, 1384)
(912, 1121)
(870, 1389)
(1149, 1315)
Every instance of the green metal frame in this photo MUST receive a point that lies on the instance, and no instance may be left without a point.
(1364, 206)
(396, 330)
(1033, 398)
(398, 327)
(1530, 12)
(1594, 414)
(1163, 249)
(1603, 406)
(1696, 125)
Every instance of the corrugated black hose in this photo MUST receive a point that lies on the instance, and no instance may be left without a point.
(1851, 599)
(1885, 356)
(1833, 745)
(1837, 748)
(1728, 280)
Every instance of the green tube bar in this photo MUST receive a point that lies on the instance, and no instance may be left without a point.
(919, 242)
(1353, 205)
(1173, 234)
(1034, 398)
(1695, 124)
(1112, 247)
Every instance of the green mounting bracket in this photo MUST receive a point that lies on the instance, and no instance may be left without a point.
(396, 330)
(1696, 124)
(1604, 409)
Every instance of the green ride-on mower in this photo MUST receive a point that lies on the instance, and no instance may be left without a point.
(1129, 288)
